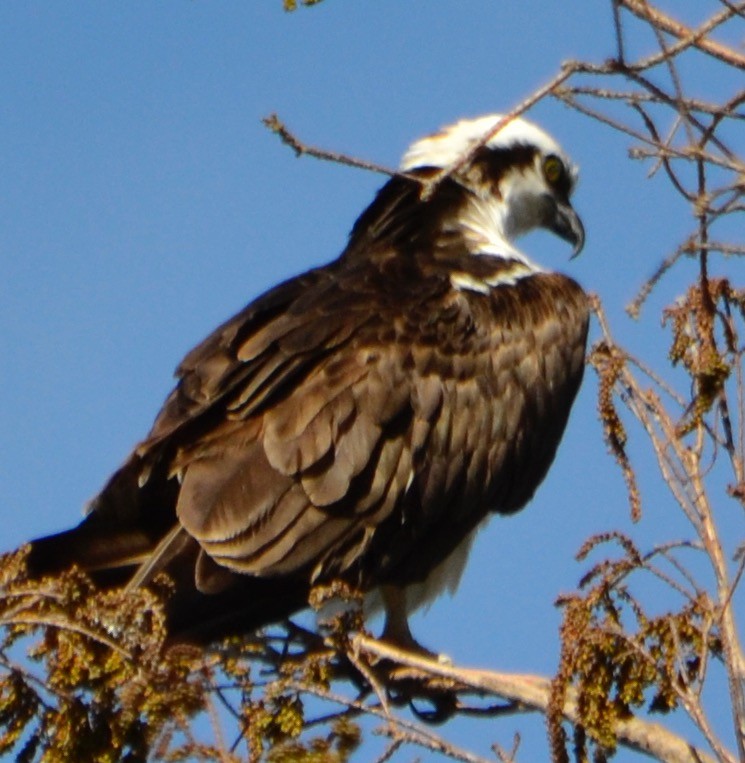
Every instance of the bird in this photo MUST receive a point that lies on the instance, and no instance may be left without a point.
(360, 422)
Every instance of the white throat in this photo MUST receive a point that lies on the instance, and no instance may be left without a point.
(483, 223)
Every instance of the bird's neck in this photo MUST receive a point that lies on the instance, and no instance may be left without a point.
(453, 222)
(481, 223)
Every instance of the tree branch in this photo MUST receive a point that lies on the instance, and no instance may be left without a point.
(696, 37)
(533, 693)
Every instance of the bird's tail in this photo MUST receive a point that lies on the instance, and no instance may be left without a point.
(124, 525)
(109, 555)
(132, 534)
(127, 558)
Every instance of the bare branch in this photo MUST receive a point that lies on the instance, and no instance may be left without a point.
(533, 693)
(277, 126)
(698, 37)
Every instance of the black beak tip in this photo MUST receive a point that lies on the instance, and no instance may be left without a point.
(579, 238)
(567, 225)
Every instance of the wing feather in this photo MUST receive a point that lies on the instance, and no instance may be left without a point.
(319, 407)
(329, 483)
(340, 426)
(229, 491)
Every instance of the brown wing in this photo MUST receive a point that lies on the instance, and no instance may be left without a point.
(309, 448)
(368, 425)
(358, 421)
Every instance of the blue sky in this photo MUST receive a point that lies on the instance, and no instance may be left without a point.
(142, 202)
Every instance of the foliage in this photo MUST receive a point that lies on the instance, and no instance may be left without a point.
(100, 682)
(291, 5)
(107, 690)
(618, 665)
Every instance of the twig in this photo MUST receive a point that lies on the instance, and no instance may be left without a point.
(633, 96)
(647, 12)
(405, 730)
(635, 306)
(69, 625)
(354, 658)
(508, 756)
(277, 126)
(390, 751)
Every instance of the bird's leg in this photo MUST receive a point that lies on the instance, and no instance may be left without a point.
(396, 630)
(397, 633)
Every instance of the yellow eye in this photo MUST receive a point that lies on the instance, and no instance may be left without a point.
(553, 169)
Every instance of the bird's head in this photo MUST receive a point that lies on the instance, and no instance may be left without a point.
(520, 179)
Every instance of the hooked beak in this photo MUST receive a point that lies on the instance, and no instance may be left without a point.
(566, 224)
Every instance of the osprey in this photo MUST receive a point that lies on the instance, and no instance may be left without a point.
(360, 421)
